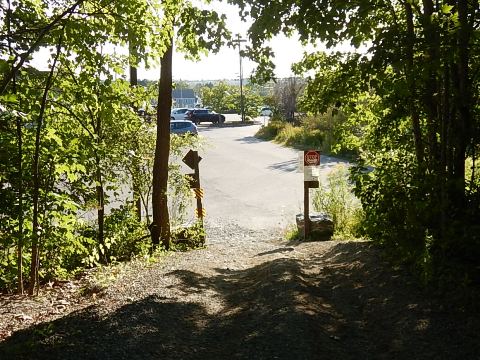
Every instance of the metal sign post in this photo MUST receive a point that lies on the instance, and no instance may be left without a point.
(192, 159)
(311, 165)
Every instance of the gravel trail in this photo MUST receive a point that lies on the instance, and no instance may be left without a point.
(247, 295)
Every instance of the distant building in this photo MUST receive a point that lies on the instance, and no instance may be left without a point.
(183, 98)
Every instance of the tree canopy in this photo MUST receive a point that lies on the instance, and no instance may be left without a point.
(409, 88)
(66, 132)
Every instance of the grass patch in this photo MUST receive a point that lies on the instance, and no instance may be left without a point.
(336, 199)
(293, 234)
(284, 133)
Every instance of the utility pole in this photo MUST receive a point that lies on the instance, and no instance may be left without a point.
(242, 107)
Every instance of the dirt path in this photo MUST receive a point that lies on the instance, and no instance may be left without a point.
(250, 295)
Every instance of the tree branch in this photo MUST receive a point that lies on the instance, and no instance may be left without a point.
(32, 48)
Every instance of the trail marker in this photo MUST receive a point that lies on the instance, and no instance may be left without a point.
(191, 159)
(311, 173)
(311, 158)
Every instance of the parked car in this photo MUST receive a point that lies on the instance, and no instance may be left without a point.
(178, 113)
(181, 127)
(266, 111)
(198, 116)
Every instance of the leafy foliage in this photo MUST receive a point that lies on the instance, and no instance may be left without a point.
(70, 137)
(222, 97)
(410, 103)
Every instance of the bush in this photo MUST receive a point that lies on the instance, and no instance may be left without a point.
(337, 200)
(270, 131)
(189, 237)
(289, 135)
(307, 136)
(125, 235)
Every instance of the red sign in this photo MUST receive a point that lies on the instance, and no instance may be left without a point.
(311, 158)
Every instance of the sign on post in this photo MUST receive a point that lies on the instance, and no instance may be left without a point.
(191, 159)
(311, 158)
(311, 171)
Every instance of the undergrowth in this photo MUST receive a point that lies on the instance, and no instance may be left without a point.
(313, 132)
(335, 198)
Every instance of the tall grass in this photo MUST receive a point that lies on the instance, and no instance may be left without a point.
(314, 132)
(295, 136)
(337, 200)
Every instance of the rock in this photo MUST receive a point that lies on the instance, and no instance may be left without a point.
(321, 227)
(23, 317)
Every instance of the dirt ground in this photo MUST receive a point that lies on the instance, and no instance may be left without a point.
(248, 295)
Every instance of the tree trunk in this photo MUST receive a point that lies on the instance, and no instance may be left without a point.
(134, 82)
(161, 222)
(410, 76)
(103, 251)
(463, 123)
(431, 94)
(19, 164)
(35, 261)
(20, 207)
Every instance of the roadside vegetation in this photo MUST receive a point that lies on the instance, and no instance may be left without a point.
(403, 103)
(409, 111)
(82, 175)
(336, 198)
(305, 132)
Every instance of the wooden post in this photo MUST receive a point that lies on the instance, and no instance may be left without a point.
(306, 210)
(197, 181)
(192, 159)
(311, 159)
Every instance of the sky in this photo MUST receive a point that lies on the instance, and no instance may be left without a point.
(226, 63)
(221, 66)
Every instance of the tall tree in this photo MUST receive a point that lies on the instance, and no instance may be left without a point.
(411, 98)
(161, 219)
(197, 31)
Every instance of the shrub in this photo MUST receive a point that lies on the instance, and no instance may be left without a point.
(289, 135)
(337, 200)
(312, 139)
(125, 235)
(189, 237)
(270, 131)
(310, 135)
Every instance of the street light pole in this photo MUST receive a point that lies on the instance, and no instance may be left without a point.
(242, 107)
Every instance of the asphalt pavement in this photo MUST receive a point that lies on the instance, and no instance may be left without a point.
(251, 182)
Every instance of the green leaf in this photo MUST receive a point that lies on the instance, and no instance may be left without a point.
(447, 9)
(4, 66)
(9, 99)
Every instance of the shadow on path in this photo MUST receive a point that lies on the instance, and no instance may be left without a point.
(234, 124)
(345, 303)
(250, 140)
(287, 166)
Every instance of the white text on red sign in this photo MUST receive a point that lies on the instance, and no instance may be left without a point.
(311, 158)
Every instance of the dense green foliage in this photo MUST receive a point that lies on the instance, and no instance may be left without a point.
(222, 97)
(410, 100)
(335, 198)
(72, 146)
(296, 136)
(319, 132)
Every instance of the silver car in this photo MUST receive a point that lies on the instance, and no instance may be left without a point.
(181, 127)
(178, 113)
